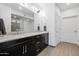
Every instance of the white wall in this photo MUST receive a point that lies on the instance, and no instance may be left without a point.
(39, 21)
(69, 25)
(58, 19)
(50, 12)
(5, 14)
(50, 21)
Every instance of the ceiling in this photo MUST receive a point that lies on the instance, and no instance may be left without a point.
(64, 6)
(38, 5)
(24, 10)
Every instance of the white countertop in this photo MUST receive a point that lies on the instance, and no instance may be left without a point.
(5, 38)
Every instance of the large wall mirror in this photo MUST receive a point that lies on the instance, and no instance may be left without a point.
(21, 24)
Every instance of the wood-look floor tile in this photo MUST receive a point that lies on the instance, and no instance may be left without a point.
(62, 49)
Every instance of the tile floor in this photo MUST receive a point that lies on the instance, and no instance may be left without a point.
(62, 49)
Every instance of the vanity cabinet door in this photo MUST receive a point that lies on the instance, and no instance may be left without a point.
(26, 49)
(35, 45)
(44, 39)
(15, 51)
(12, 51)
(31, 48)
(4, 53)
(39, 44)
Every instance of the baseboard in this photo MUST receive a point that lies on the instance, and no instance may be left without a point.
(71, 42)
(52, 46)
(77, 44)
(55, 44)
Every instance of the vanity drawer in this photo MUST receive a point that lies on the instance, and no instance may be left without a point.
(12, 51)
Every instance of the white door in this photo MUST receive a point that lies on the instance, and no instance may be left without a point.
(69, 31)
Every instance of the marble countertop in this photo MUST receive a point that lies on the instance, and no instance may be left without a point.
(10, 37)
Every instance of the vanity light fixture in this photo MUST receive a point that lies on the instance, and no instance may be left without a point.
(35, 9)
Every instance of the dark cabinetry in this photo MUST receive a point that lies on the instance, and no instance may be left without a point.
(30, 46)
(15, 50)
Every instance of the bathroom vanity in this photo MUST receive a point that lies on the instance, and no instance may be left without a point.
(23, 37)
(28, 44)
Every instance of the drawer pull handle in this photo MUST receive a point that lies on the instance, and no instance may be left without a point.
(4, 53)
(23, 50)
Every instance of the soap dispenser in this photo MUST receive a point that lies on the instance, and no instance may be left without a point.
(45, 28)
(38, 28)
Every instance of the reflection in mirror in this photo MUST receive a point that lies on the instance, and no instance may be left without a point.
(21, 24)
(15, 23)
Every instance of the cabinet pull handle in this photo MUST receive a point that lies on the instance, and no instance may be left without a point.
(4, 53)
(23, 50)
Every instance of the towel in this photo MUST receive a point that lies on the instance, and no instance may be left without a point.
(2, 27)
